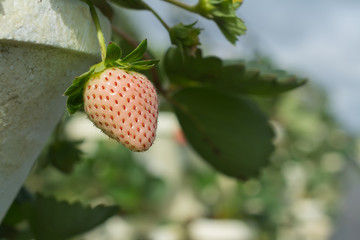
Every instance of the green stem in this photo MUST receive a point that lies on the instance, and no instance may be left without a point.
(157, 16)
(182, 5)
(203, 7)
(100, 35)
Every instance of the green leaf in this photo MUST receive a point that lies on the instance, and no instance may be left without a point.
(231, 27)
(14, 215)
(260, 81)
(191, 71)
(64, 154)
(137, 54)
(237, 3)
(237, 78)
(113, 53)
(59, 220)
(75, 101)
(132, 4)
(229, 132)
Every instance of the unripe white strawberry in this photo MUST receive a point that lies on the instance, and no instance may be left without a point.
(118, 100)
(124, 105)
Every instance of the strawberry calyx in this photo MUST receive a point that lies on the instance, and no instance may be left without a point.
(132, 61)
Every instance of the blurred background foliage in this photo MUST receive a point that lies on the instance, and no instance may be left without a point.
(295, 197)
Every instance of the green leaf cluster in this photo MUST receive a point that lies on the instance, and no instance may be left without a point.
(50, 218)
(132, 61)
(186, 37)
(212, 98)
(223, 13)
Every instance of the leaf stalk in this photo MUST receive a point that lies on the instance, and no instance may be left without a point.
(166, 26)
(100, 35)
(182, 5)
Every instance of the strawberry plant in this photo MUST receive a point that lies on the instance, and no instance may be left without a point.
(214, 101)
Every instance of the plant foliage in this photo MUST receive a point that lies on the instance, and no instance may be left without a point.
(211, 97)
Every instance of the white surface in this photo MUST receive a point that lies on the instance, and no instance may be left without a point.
(112, 229)
(41, 51)
(208, 229)
(65, 24)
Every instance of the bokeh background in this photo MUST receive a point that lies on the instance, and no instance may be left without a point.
(309, 191)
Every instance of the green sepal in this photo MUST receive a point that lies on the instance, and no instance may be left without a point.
(75, 101)
(78, 81)
(133, 61)
(139, 65)
(137, 54)
(143, 65)
(98, 67)
(74, 93)
(122, 65)
(113, 53)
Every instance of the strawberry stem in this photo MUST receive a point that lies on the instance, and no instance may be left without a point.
(158, 17)
(100, 35)
(182, 5)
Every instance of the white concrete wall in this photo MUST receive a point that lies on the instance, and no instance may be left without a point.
(43, 46)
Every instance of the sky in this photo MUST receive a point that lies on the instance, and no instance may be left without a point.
(319, 39)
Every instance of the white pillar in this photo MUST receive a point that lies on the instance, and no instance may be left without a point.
(43, 46)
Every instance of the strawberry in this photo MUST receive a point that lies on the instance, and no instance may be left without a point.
(124, 105)
(117, 99)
